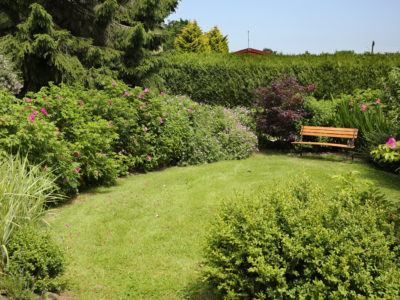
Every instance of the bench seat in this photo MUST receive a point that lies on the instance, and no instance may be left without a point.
(325, 144)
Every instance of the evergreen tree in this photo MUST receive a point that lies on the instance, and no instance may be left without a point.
(218, 43)
(171, 31)
(70, 40)
(192, 40)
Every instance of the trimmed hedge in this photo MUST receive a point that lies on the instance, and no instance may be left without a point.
(229, 80)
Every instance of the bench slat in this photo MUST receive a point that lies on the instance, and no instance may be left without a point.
(325, 144)
(330, 128)
(327, 134)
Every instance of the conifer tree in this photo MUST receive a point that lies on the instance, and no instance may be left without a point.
(192, 40)
(218, 43)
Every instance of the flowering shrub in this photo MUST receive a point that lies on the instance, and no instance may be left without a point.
(297, 242)
(388, 154)
(89, 137)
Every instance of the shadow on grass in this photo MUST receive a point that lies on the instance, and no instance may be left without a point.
(199, 290)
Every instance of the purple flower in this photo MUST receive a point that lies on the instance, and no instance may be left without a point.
(391, 142)
(80, 102)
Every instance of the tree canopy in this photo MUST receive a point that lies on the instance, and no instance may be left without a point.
(80, 40)
(218, 43)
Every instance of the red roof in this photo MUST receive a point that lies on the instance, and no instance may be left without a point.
(251, 51)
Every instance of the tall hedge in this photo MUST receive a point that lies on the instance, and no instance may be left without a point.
(228, 79)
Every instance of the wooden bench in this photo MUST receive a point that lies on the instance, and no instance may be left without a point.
(347, 133)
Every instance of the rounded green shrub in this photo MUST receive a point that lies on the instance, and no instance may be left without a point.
(297, 242)
(36, 259)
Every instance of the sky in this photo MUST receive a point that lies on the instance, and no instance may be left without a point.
(297, 26)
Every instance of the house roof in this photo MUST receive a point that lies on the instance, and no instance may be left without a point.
(251, 51)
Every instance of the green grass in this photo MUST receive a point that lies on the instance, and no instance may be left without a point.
(142, 238)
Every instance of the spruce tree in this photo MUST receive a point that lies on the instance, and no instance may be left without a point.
(218, 43)
(192, 40)
(74, 40)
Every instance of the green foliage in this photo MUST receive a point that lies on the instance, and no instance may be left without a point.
(37, 259)
(24, 192)
(8, 78)
(170, 31)
(296, 242)
(365, 110)
(89, 137)
(192, 40)
(59, 42)
(319, 112)
(229, 80)
(218, 42)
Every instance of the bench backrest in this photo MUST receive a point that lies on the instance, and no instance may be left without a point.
(348, 133)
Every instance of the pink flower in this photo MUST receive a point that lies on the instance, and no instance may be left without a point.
(162, 94)
(65, 179)
(114, 83)
(80, 102)
(28, 100)
(148, 157)
(378, 101)
(66, 225)
(44, 112)
(83, 201)
(32, 118)
(161, 121)
(78, 155)
(58, 97)
(144, 104)
(126, 93)
(35, 112)
(111, 124)
(191, 111)
(391, 142)
(145, 129)
(387, 89)
(146, 90)
(101, 152)
(140, 96)
(76, 201)
(110, 102)
(350, 103)
(77, 170)
(364, 107)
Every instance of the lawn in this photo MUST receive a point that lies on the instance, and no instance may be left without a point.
(142, 238)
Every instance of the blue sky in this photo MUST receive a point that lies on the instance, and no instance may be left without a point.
(296, 26)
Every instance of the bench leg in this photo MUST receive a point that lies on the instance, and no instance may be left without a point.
(301, 150)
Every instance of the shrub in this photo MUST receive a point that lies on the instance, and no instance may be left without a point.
(37, 259)
(280, 107)
(24, 191)
(319, 112)
(388, 155)
(297, 242)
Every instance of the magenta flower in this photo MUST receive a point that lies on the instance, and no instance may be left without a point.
(126, 93)
(111, 124)
(78, 155)
(32, 118)
(350, 103)
(140, 96)
(144, 104)
(145, 129)
(148, 157)
(378, 101)
(110, 102)
(146, 90)
(364, 107)
(161, 121)
(58, 97)
(66, 225)
(65, 179)
(28, 100)
(114, 83)
(35, 112)
(80, 102)
(77, 170)
(162, 94)
(44, 112)
(387, 89)
(101, 152)
(191, 111)
(391, 142)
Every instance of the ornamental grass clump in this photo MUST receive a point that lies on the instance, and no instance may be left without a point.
(298, 242)
(24, 191)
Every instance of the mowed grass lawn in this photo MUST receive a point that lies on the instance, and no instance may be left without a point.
(142, 238)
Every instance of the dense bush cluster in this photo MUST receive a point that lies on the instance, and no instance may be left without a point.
(89, 137)
(229, 80)
(299, 242)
